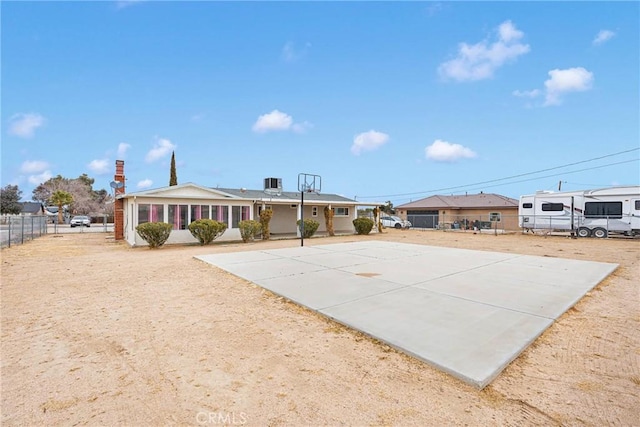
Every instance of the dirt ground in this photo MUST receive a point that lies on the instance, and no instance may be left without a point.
(97, 333)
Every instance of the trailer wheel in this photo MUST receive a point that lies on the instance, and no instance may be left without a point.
(599, 233)
(584, 232)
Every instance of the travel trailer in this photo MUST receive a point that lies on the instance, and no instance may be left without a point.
(587, 213)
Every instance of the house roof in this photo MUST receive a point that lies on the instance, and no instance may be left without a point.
(191, 190)
(32, 207)
(467, 201)
(285, 196)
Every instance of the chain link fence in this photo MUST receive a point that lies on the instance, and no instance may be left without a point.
(17, 229)
(495, 222)
(499, 223)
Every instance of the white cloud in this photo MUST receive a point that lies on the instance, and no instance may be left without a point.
(40, 178)
(526, 93)
(279, 121)
(563, 81)
(25, 125)
(603, 37)
(161, 149)
(368, 141)
(34, 166)
(123, 147)
(273, 121)
(443, 151)
(481, 60)
(145, 183)
(291, 54)
(99, 166)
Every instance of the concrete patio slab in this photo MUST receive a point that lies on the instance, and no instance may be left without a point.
(469, 340)
(469, 313)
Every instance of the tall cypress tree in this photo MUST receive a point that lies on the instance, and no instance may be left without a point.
(173, 180)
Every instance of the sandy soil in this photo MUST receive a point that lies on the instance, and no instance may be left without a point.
(97, 333)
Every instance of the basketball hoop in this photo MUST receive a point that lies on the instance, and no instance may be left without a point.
(308, 183)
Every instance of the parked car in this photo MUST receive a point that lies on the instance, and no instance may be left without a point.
(395, 222)
(80, 221)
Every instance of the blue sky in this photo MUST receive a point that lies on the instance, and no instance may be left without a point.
(384, 100)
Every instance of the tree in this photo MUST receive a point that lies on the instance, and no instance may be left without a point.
(61, 198)
(85, 200)
(42, 193)
(387, 208)
(10, 200)
(173, 180)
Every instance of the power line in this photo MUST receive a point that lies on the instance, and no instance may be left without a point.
(546, 176)
(506, 178)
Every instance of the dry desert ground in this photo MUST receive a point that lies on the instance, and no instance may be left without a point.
(97, 333)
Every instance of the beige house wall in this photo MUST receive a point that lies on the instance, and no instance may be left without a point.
(447, 217)
(284, 218)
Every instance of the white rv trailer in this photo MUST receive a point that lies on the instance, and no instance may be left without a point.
(586, 212)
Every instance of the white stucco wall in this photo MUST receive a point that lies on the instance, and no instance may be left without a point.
(178, 236)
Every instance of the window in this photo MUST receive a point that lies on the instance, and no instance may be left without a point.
(603, 210)
(314, 211)
(527, 205)
(143, 214)
(220, 213)
(150, 213)
(552, 207)
(494, 216)
(637, 205)
(239, 213)
(178, 216)
(199, 212)
(341, 211)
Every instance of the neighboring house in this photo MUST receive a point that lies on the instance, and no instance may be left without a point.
(32, 208)
(181, 204)
(484, 210)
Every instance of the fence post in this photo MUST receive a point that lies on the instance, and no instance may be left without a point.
(9, 232)
(22, 228)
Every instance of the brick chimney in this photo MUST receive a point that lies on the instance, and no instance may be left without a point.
(118, 207)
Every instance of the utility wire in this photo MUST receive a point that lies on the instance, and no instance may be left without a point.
(540, 177)
(506, 178)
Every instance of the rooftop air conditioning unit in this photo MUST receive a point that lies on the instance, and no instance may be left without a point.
(273, 184)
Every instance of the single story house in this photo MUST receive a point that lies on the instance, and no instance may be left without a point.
(179, 205)
(32, 208)
(483, 210)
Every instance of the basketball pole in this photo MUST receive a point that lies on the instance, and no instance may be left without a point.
(301, 218)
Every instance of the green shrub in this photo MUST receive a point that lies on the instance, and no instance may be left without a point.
(207, 230)
(310, 227)
(154, 233)
(265, 218)
(249, 229)
(363, 225)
